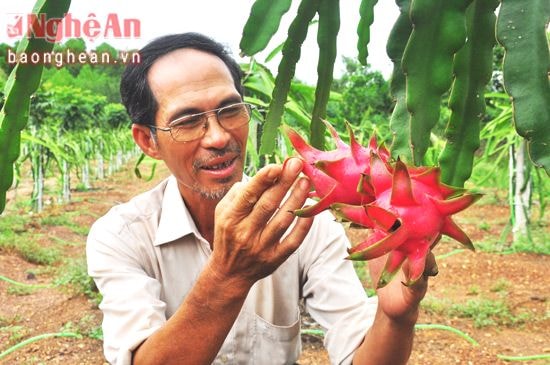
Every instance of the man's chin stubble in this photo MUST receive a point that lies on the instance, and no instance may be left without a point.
(213, 194)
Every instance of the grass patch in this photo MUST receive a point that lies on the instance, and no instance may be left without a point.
(500, 286)
(482, 311)
(55, 220)
(63, 242)
(36, 254)
(488, 312)
(20, 290)
(538, 243)
(493, 245)
(15, 333)
(64, 220)
(12, 223)
(474, 290)
(27, 248)
(80, 187)
(74, 275)
(361, 269)
(433, 305)
(6, 322)
(15, 236)
(484, 226)
(87, 326)
(42, 271)
(96, 333)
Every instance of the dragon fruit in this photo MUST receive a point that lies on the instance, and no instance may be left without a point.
(339, 176)
(407, 207)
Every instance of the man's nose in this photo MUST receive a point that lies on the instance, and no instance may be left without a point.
(216, 136)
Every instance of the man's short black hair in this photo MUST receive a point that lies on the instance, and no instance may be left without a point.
(135, 92)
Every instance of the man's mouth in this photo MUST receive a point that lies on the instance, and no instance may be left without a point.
(220, 166)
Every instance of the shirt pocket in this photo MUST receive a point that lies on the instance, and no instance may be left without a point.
(276, 344)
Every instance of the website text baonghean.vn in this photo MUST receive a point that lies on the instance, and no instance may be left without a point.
(68, 57)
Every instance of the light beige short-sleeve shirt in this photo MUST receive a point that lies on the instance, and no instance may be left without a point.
(146, 254)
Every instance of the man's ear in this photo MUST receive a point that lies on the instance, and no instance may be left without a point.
(145, 139)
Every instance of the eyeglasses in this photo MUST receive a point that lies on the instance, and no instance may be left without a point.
(193, 126)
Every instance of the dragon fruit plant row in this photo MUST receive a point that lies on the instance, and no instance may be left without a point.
(407, 207)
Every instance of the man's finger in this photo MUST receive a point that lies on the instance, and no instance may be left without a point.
(250, 193)
(296, 236)
(271, 199)
(284, 217)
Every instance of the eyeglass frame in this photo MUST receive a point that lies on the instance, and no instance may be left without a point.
(248, 106)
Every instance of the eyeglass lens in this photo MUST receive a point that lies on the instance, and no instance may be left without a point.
(194, 126)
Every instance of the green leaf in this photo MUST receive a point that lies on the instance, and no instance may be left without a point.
(274, 52)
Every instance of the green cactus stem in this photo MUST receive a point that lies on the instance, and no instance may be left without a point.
(366, 13)
(291, 51)
(399, 122)
(263, 22)
(439, 31)
(521, 30)
(329, 25)
(472, 69)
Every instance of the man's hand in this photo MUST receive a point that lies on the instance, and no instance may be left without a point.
(389, 340)
(250, 222)
(397, 301)
(248, 245)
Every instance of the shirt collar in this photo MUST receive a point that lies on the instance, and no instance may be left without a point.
(175, 220)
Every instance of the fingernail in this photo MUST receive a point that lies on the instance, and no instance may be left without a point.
(295, 165)
(432, 272)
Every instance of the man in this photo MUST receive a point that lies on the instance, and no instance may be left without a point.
(210, 266)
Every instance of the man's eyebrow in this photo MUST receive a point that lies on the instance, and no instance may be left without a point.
(182, 112)
(178, 113)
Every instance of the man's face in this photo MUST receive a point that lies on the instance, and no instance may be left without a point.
(188, 81)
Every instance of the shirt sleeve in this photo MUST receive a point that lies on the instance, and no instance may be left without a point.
(132, 310)
(334, 295)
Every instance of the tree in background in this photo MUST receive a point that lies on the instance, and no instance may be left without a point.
(77, 46)
(365, 100)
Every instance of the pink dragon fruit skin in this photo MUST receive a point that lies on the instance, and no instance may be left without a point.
(339, 175)
(407, 208)
(410, 218)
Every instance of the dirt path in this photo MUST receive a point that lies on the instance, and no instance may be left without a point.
(515, 286)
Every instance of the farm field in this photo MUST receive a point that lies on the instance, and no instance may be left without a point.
(460, 97)
(500, 300)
